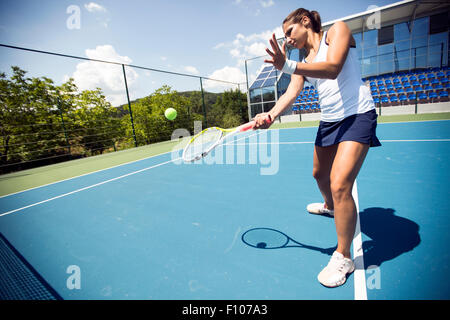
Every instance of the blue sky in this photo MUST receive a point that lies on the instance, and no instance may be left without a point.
(211, 38)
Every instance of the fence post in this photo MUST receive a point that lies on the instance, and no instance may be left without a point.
(129, 106)
(63, 124)
(203, 102)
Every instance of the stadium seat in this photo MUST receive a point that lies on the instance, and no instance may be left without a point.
(422, 77)
(422, 97)
(443, 96)
(383, 93)
(444, 81)
(432, 96)
(430, 76)
(434, 82)
(439, 87)
(412, 97)
(384, 100)
(396, 80)
(428, 88)
(402, 98)
(440, 74)
(393, 100)
(406, 85)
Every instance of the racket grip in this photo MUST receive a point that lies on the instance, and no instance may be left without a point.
(251, 124)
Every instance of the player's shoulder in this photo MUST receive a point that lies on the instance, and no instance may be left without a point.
(338, 28)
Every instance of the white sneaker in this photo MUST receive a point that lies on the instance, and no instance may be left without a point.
(319, 208)
(335, 273)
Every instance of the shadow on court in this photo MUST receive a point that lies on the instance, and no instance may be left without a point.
(390, 236)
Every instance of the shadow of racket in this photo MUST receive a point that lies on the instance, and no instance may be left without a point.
(268, 238)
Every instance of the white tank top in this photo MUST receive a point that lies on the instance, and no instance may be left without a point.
(346, 95)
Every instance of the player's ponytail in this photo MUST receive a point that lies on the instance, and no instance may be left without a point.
(297, 15)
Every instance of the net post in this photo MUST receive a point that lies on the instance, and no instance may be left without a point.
(129, 106)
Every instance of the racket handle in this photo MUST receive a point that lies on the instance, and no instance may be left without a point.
(251, 124)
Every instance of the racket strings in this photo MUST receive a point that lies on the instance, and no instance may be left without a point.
(202, 143)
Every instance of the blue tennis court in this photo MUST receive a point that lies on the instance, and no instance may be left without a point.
(160, 229)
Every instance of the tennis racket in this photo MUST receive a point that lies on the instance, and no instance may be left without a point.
(204, 142)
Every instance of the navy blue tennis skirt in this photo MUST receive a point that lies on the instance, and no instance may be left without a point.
(358, 127)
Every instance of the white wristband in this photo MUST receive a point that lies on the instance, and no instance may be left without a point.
(289, 66)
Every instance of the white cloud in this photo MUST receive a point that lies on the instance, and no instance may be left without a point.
(93, 7)
(231, 74)
(267, 3)
(191, 70)
(109, 77)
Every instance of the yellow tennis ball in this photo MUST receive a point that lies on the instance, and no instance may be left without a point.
(170, 113)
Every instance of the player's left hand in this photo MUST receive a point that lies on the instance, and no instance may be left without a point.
(278, 55)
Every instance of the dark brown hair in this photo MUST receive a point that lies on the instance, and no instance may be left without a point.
(297, 15)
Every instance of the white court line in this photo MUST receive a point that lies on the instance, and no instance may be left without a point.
(88, 187)
(84, 174)
(359, 273)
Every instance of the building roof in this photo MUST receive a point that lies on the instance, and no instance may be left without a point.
(405, 10)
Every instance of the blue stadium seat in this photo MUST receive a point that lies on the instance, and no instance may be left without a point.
(390, 87)
(396, 80)
(409, 90)
(430, 76)
(405, 79)
(393, 99)
(381, 88)
(402, 98)
(388, 81)
(440, 74)
(413, 78)
(412, 97)
(422, 96)
(406, 85)
(428, 88)
(444, 80)
(401, 90)
(422, 77)
(384, 100)
(376, 100)
(434, 82)
(375, 94)
(432, 95)
(398, 86)
(443, 96)
(383, 93)
(439, 87)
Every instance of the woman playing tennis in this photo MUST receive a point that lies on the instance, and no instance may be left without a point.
(348, 121)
